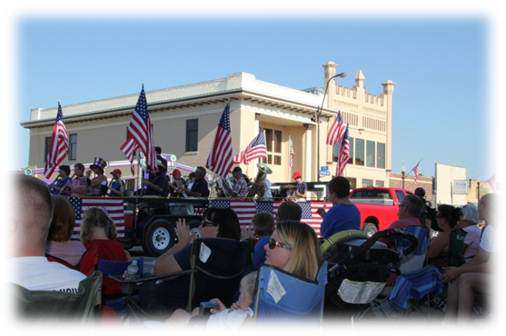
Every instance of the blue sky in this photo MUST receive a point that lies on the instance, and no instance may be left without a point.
(439, 65)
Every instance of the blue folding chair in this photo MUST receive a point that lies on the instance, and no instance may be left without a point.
(415, 261)
(117, 268)
(281, 295)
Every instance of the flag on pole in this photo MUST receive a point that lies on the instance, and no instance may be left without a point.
(59, 147)
(291, 153)
(344, 153)
(140, 133)
(336, 133)
(415, 170)
(221, 157)
(256, 149)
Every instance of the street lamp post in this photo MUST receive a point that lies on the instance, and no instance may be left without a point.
(317, 119)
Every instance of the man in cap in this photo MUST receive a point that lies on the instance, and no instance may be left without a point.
(177, 185)
(300, 187)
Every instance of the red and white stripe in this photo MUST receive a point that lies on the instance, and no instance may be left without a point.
(316, 220)
(115, 210)
(344, 155)
(59, 145)
(337, 130)
(221, 158)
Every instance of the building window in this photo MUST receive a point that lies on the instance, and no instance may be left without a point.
(73, 146)
(335, 151)
(47, 143)
(192, 135)
(380, 163)
(274, 142)
(380, 183)
(367, 183)
(359, 152)
(371, 154)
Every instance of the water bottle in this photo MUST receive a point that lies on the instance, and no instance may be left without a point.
(132, 270)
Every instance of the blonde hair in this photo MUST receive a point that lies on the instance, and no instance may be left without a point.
(96, 217)
(301, 238)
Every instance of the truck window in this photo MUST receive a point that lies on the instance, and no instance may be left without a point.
(400, 195)
(372, 194)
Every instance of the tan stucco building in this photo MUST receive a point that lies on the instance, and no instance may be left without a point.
(185, 119)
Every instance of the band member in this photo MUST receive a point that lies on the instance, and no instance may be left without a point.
(79, 182)
(177, 185)
(61, 185)
(116, 186)
(236, 185)
(261, 187)
(158, 182)
(98, 184)
(300, 188)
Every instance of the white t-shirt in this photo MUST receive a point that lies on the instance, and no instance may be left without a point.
(37, 273)
(231, 319)
(486, 238)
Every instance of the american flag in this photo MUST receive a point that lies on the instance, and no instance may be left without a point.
(140, 133)
(247, 209)
(59, 145)
(291, 152)
(220, 158)
(337, 130)
(310, 215)
(415, 170)
(256, 149)
(114, 207)
(344, 154)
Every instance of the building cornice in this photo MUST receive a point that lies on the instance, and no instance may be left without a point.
(200, 100)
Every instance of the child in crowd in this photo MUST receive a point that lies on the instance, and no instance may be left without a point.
(221, 317)
(98, 234)
(59, 246)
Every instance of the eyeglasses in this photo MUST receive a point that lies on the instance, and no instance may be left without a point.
(206, 222)
(273, 244)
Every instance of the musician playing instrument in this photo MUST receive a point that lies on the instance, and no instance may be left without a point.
(61, 185)
(261, 187)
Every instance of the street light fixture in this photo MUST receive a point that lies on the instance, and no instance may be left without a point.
(317, 120)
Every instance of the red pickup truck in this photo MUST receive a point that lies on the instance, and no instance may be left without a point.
(378, 206)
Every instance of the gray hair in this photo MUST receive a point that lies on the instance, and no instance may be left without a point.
(413, 205)
(470, 213)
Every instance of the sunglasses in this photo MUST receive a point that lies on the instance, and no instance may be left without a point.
(206, 222)
(273, 244)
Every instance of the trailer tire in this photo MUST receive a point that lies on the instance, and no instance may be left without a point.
(370, 229)
(159, 237)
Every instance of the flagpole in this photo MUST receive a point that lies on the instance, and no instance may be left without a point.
(317, 119)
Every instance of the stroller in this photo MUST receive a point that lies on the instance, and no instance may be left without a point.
(359, 269)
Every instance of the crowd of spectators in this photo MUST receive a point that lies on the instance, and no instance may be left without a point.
(46, 258)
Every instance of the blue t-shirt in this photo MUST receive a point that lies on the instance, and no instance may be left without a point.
(259, 252)
(340, 217)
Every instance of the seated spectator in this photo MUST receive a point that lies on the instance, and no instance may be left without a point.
(32, 216)
(116, 186)
(98, 234)
(343, 215)
(221, 223)
(288, 210)
(447, 219)
(59, 244)
(294, 248)
(472, 278)
(263, 224)
(469, 223)
(79, 183)
(409, 213)
(61, 185)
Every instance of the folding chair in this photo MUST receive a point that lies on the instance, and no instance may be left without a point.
(82, 305)
(216, 268)
(281, 295)
(415, 261)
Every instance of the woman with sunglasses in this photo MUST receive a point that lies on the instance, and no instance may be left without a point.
(220, 223)
(293, 247)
